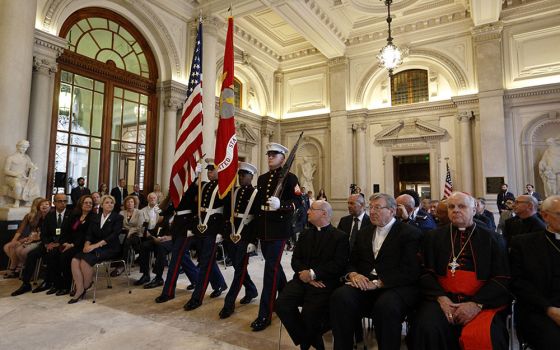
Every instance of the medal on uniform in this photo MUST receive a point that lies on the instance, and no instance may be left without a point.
(201, 227)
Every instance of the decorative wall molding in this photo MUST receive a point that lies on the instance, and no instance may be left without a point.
(410, 131)
(173, 94)
(488, 32)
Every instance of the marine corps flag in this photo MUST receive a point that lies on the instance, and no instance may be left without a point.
(226, 141)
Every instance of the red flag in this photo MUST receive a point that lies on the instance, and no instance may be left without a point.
(226, 142)
(448, 184)
(188, 149)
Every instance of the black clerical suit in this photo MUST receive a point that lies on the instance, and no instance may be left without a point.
(535, 269)
(346, 224)
(273, 229)
(515, 226)
(397, 266)
(482, 276)
(326, 252)
(119, 198)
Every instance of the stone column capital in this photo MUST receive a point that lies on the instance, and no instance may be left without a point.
(359, 127)
(488, 32)
(173, 94)
(44, 65)
(212, 25)
(278, 76)
(465, 116)
(338, 63)
(46, 49)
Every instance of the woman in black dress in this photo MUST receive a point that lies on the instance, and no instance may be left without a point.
(102, 243)
(72, 242)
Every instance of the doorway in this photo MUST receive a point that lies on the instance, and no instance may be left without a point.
(412, 172)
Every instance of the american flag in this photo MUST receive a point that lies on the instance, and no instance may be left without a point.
(188, 149)
(448, 184)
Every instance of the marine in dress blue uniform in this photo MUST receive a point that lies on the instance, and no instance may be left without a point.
(273, 229)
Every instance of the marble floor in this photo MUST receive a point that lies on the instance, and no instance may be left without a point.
(135, 321)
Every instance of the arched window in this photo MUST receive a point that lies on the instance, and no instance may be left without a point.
(409, 86)
(105, 112)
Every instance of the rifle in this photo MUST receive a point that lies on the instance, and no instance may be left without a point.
(285, 169)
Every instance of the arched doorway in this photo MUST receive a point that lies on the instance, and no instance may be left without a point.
(105, 106)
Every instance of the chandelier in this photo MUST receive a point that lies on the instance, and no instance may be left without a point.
(390, 56)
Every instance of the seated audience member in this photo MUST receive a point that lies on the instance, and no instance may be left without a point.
(505, 214)
(142, 202)
(157, 190)
(531, 192)
(535, 269)
(102, 243)
(358, 218)
(96, 197)
(433, 207)
(31, 248)
(320, 257)
(525, 220)
(441, 216)
(426, 204)
(25, 228)
(72, 242)
(382, 277)
(412, 214)
(55, 223)
(464, 284)
(151, 218)
(133, 227)
(484, 215)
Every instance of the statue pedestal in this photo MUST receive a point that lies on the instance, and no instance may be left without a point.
(10, 219)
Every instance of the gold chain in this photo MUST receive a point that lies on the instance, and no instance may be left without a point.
(464, 245)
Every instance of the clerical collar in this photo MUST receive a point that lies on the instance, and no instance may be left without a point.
(385, 229)
(556, 234)
(323, 227)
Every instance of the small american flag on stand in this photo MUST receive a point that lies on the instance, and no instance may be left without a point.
(448, 184)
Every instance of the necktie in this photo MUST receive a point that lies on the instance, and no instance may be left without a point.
(354, 232)
(59, 221)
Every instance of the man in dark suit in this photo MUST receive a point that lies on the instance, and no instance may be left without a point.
(381, 279)
(143, 202)
(484, 215)
(535, 267)
(525, 220)
(119, 192)
(531, 191)
(408, 212)
(351, 224)
(320, 258)
(79, 191)
(502, 197)
(51, 230)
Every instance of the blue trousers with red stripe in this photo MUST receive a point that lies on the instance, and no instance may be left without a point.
(241, 277)
(208, 269)
(274, 278)
(180, 257)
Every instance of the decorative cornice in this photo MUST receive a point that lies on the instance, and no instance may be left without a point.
(488, 32)
(255, 42)
(532, 92)
(46, 49)
(104, 70)
(410, 131)
(338, 62)
(325, 19)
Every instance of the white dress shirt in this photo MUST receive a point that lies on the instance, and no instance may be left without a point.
(104, 218)
(360, 220)
(380, 235)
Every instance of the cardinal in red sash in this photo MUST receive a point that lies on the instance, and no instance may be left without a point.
(465, 284)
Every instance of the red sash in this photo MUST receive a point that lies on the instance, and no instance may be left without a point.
(475, 335)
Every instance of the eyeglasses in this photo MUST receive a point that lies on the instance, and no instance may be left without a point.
(377, 208)
(311, 208)
(61, 201)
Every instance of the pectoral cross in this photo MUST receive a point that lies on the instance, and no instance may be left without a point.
(453, 265)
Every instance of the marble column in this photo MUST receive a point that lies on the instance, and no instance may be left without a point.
(340, 155)
(210, 31)
(360, 157)
(266, 134)
(173, 95)
(278, 93)
(46, 50)
(489, 73)
(465, 161)
(17, 25)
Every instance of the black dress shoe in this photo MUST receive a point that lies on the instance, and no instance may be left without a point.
(191, 287)
(117, 271)
(143, 280)
(163, 299)
(260, 323)
(248, 298)
(42, 287)
(192, 304)
(217, 292)
(24, 288)
(156, 282)
(51, 291)
(62, 292)
(226, 312)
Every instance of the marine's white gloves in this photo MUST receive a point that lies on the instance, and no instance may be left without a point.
(251, 248)
(273, 203)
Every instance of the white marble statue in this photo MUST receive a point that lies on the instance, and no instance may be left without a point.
(549, 167)
(308, 168)
(19, 172)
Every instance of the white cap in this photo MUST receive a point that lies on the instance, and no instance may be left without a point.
(210, 163)
(248, 167)
(276, 147)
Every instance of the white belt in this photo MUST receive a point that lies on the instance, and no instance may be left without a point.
(183, 212)
(240, 215)
(213, 211)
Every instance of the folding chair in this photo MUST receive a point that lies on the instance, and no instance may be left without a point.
(107, 264)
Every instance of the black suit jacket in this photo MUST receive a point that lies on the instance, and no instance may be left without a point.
(515, 226)
(345, 224)
(48, 227)
(115, 192)
(531, 270)
(396, 265)
(327, 257)
(109, 232)
(77, 192)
